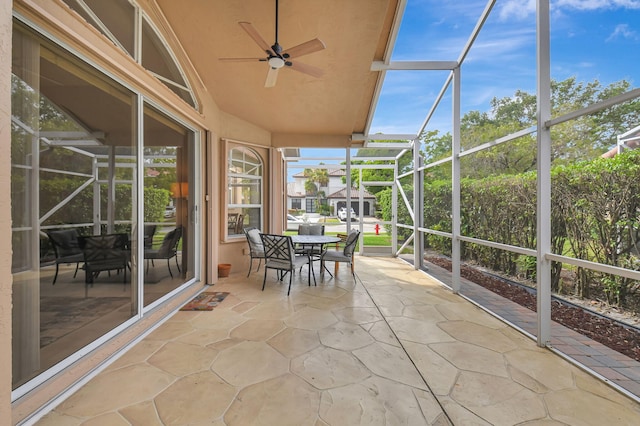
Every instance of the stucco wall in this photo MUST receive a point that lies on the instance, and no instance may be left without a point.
(5, 212)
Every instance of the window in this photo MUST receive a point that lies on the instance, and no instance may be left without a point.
(244, 190)
(296, 203)
(72, 178)
(76, 164)
(116, 20)
(311, 204)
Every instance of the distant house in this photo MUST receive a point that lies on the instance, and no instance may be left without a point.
(335, 194)
(339, 199)
(627, 140)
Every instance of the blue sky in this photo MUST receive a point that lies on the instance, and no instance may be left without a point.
(590, 40)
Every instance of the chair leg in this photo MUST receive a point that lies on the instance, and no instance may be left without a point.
(177, 264)
(290, 277)
(327, 269)
(169, 266)
(250, 264)
(312, 272)
(55, 277)
(264, 280)
(76, 272)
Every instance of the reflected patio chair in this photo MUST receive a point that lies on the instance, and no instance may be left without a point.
(167, 250)
(239, 224)
(344, 255)
(256, 249)
(104, 253)
(149, 232)
(280, 255)
(67, 249)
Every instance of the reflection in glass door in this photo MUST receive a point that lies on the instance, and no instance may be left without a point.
(73, 205)
(168, 230)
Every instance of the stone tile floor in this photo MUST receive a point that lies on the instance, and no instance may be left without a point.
(395, 347)
(614, 367)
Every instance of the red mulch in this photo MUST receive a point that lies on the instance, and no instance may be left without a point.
(603, 330)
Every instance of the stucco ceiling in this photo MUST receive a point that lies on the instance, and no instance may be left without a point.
(355, 32)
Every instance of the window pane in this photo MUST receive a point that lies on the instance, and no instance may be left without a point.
(61, 141)
(156, 58)
(168, 234)
(244, 190)
(116, 16)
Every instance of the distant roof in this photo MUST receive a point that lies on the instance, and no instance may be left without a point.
(355, 193)
(628, 140)
(291, 192)
(330, 172)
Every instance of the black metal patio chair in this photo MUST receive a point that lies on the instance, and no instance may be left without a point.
(168, 249)
(67, 249)
(280, 255)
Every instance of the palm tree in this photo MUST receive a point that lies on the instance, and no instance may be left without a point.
(316, 179)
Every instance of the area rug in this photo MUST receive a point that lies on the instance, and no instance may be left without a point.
(205, 301)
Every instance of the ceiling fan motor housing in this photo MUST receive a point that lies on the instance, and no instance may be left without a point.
(276, 62)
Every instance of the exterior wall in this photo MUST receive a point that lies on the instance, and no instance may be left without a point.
(5, 211)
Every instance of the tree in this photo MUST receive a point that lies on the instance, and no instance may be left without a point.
(583, 138)
(405, 163)
(317, 179)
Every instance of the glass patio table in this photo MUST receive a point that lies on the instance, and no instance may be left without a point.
(313, 241)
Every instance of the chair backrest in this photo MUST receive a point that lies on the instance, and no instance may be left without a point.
(239, 224)
(149, 232)
(170, 241)
(254, 240)
(351, 243)
(278, 250)
(97, 248)
(310, 229)
(65, 242)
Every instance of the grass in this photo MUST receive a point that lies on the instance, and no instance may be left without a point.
(377, 240)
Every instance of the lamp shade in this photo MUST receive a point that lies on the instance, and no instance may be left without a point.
(180, 189)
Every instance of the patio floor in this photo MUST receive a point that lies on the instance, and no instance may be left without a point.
(396, 347)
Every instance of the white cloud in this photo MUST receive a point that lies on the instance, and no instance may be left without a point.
(521, 9)
(623, 31)
(517, 9)
(597, 4)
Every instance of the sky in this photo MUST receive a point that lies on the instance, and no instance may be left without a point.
(590, 40)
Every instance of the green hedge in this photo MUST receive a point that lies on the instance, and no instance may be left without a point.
(595, 216)
(80, 208)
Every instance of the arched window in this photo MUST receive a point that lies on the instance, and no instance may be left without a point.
(244, 190)
(117, 20)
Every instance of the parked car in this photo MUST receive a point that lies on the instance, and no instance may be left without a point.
(293, 222)
(170, 212)
(342, 214)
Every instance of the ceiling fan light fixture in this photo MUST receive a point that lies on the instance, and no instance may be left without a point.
(276, 62)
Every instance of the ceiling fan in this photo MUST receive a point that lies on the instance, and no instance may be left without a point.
(277, 57)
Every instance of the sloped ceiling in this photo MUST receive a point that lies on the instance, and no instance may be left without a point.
(355, 33)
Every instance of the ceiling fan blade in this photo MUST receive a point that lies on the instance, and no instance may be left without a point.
(307, 69)
(255, 35)
(242, 59)
(304, 48)
(272, 76)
